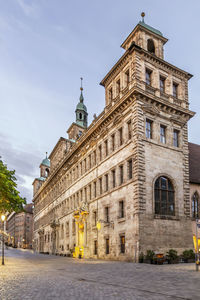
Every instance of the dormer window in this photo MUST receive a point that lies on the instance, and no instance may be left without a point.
(150, 46)
(148, 76)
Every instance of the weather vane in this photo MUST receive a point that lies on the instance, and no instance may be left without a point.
(142, 15)
(81, 88)
(46, 154)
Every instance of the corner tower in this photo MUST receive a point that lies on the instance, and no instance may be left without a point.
(76, 129)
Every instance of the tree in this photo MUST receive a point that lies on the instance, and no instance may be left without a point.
(10, 199)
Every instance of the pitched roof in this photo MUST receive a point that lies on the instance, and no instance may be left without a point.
(194, 162)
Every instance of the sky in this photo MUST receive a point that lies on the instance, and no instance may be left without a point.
(47, 45)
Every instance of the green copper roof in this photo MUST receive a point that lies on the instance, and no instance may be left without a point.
(81, 106)
(150, 28)
(41, 178)
(46, 162)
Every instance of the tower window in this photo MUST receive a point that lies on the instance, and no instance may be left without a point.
(148, 76)
(150, 46)
(164, 196)
(80, 115)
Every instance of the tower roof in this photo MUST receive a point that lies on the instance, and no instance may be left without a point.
(46, 162)
(142, 23)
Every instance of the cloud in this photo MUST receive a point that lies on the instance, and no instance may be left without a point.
(29, 8)
(24, 163)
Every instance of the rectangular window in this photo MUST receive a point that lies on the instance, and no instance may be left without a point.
(175, 138)
(90, 192)
(107, 214)
(85, 191)
(107, 246)
(120, 136)
(95, 189)
(113, 142)
(110, 94)
(121, 209)
(121, 174)
(100, 186)
(67, 229)
(122, 243)
(129, 130)
(130, 169)
(148, 76)
(90, 161)
(85, 166)
(81, 196)
(113, 178)
(95, 157)
(95, 247)
(100, 152)
(106, 147)
(95, 218)
(77, 172)
(149, 129)
(81, 167)
(175, 90)
(118, 87)
(127, 77)
(73, 226)
(106, 182)
(162, 84)
(163, 134)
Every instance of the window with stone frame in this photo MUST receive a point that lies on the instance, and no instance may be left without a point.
(95, 189)
(107, 246)
(121, 209)
(113, 178)
(106, 147)
(85, 192)
(94, 218)
(100, 186)
(129, 127)
(73, 227)
(90, 192)
(175, 89)
(122, 243)
(95, 157)
(195, 205)
(95, 247)
(118, 87)
(85, 165)
(126, 77)
(113, 141)
(67, 228)
(106, 183)
(120, 131)
(163, 134)
(121, 174)
(81, 168)
(90, 161)
(110, 94)
(107, 214)
(149, 126)
(148, 76)
(130, 168)
(162, 84)
(164, 197)
(176, 138)
(100, 152)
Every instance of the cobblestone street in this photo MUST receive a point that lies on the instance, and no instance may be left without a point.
(27, 275)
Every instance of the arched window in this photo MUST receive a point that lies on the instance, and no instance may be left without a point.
(46, 172)
(195, 205)
(150, 46)
(164, 197)
(80, 116)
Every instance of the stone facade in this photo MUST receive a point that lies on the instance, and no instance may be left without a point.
(20, 228)
(99, 197)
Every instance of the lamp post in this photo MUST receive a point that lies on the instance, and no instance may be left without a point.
(3, 219)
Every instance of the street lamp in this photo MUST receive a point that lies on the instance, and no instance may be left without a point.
(3, 217)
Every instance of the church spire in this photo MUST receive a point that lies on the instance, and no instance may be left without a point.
(81, 109)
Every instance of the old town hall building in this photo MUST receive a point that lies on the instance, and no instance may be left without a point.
(120, 186)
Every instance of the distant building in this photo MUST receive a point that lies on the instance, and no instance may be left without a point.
(121, 186)
(20, 228)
